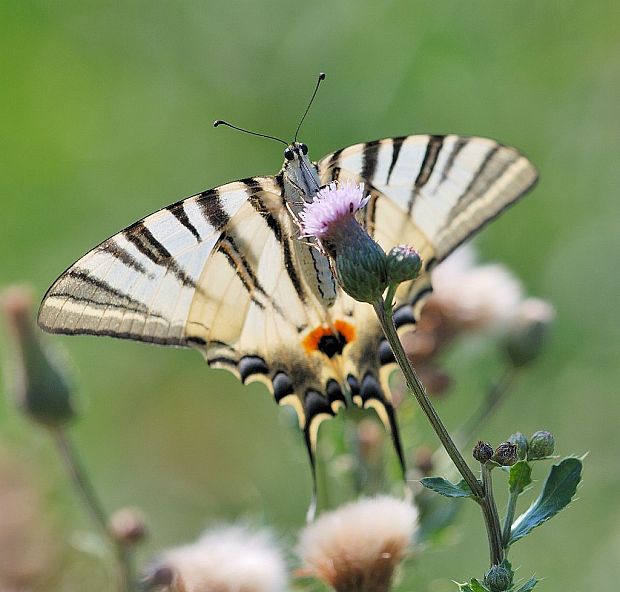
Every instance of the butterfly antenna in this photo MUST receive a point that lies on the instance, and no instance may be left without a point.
(218, 122)
(316, 89)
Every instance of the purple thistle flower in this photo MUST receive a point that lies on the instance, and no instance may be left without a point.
(358, 261)
(334, 203)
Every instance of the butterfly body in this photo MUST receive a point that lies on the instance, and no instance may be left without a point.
(224, 271)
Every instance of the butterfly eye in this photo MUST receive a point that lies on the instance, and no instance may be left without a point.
(304, 148)
(289, 154)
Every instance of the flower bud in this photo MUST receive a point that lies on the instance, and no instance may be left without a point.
(403, 264)
(541, 445)
(483, 451)
(525, 342)
(521, 443)
(127, 526)
(360, 263)
(506, 454)
(40, 386)
(498, 578)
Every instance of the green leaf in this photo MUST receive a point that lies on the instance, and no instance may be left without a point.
(520, 477)
(473, 586)
(476, 586)
(529, 585)
(558, 490)
(440, 485)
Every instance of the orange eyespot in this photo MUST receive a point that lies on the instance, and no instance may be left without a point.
(328, 341)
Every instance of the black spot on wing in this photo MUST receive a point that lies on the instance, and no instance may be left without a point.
(353, 384)
(333, 391)
(403, 315)
(282, 386)
(251, 365)
(315, 403)
(371, 389)
(386, 356)
(331, 344)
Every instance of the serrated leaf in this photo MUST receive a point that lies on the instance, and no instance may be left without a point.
(476, 586)
(464, 588)
(558, 490)
(528, 586)
(520, 477)
(444, 487)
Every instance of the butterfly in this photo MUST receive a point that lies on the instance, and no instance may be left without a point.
(224, 271)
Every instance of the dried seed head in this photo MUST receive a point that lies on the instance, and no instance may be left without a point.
(506, 454)
(482, 452)
(357, 547)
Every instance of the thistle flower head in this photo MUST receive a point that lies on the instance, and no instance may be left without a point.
(357, 547)
(227, 559)
(332, 204)
(359, 262)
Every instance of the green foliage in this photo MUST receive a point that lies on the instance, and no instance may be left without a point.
(444, 487)
(529, 585)
(558, 490)
(520, 477)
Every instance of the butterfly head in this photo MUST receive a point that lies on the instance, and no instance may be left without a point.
(300, 173)
(296, 150)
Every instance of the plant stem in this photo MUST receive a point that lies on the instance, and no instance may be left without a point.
(86, 490)
(489, 510)
(483, 493)
(384, 313)
(510, 514)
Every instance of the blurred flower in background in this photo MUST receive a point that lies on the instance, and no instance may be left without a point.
(357, 547)
(225, 559)
(29, 553)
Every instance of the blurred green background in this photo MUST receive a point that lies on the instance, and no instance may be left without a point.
(106, 112)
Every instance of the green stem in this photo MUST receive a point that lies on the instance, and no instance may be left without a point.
(384, 314)
(86, 490)
(510, 514)
(489, 510)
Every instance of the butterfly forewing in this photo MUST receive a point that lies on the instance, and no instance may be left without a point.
(140, 283)
(448, 186)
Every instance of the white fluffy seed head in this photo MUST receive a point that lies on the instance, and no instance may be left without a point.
(485, 297)
(357, 547)
(228, 559)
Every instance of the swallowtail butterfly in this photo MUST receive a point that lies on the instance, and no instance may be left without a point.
(223, 271)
